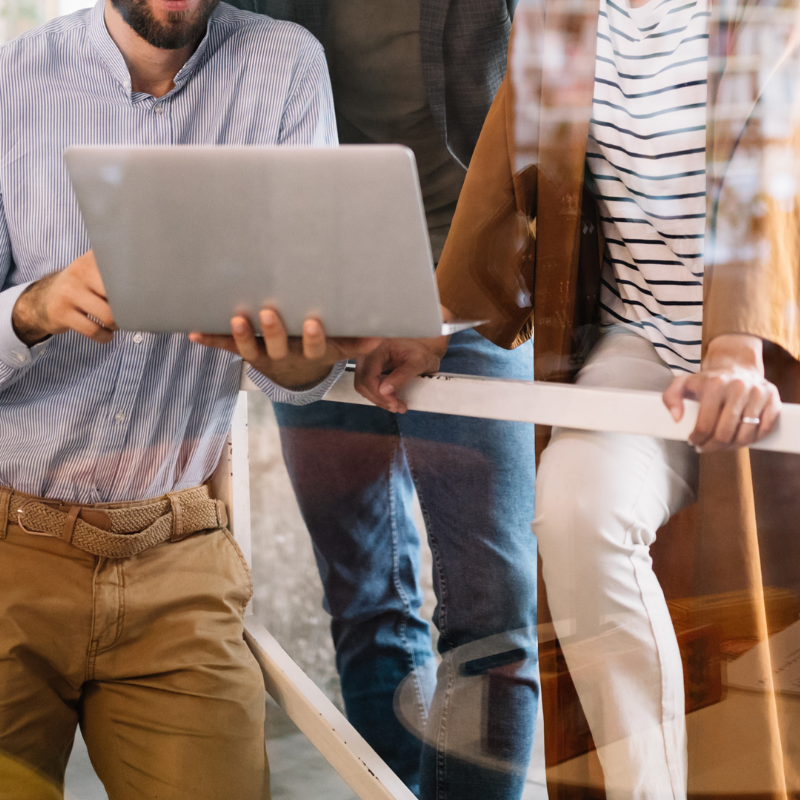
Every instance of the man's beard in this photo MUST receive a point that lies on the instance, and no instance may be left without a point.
(181, 28)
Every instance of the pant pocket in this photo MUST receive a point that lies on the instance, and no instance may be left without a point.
(240, 565)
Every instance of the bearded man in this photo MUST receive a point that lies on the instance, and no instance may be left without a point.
(122, 592)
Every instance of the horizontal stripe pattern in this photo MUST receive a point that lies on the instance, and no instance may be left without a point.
(646, 156)
(148, 413)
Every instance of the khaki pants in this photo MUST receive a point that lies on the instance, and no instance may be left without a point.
(146, 654)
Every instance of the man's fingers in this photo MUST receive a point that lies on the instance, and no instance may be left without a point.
(352, 348)
(367, 379)
(397, 379)
(245, 339)
(276, 341)
(314, 341)
(80, 323)
(87, 270)
(97, 307)
(213, 340)
(673, 396)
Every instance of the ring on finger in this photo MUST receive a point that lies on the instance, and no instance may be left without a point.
(751, 420)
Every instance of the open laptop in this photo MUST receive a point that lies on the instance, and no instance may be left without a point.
(185, 237)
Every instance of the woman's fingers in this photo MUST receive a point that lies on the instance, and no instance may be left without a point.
(729, 423)
(759, 416)
(673, 396)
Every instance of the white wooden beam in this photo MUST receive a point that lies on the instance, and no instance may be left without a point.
(326, 728)
(614, 410)
(231, 479)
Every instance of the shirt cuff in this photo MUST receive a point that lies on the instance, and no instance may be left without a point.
(300, 396)
(14, 353)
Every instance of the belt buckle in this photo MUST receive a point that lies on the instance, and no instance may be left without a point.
(21, 524)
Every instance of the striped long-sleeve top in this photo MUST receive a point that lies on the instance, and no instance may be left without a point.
(147, 413)
(646, 154)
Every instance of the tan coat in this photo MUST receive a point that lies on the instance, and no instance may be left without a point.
(525, 246)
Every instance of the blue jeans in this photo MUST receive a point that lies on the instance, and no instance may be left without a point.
(354, 470)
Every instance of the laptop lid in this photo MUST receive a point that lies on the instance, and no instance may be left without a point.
(186, 237)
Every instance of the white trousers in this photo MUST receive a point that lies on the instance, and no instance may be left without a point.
(600, 498)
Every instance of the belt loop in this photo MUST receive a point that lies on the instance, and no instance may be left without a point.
(5, 501)
(177, 517)
(222, 514)
(69, 524)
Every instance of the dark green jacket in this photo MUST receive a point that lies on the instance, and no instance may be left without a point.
(464, 47)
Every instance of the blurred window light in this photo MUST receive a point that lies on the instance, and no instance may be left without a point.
(18, 16)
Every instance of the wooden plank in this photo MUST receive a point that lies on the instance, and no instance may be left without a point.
(326, 728)
(231, 479)
(613, 410)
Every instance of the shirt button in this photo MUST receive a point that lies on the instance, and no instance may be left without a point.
(137, 338)
(119, 417)
(159, 109)
(20, 357)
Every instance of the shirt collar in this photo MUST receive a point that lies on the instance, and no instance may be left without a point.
(115, 63)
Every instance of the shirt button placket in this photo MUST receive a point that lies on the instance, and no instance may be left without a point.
(163, 134)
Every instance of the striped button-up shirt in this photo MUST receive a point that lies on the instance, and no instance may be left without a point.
(147, 413)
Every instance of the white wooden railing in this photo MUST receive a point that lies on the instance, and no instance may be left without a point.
(546, 404)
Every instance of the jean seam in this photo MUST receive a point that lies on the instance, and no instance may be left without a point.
(441, 736)
(434, 546)
(398, 584)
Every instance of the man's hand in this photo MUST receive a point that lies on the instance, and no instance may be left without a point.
(288, 362)
(402, 359)
(72, 299)
(738, 405)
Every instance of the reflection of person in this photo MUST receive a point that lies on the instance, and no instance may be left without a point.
(602, 497)
(421, 74)
(108, 436)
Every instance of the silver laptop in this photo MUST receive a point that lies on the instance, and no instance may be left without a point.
(186, 237)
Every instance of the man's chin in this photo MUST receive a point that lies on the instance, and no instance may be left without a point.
(167, 24)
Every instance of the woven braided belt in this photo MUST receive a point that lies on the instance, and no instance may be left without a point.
(120, 532)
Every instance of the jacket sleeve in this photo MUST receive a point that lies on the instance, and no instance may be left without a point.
(761, 296)
(753, 236)
(486, 269)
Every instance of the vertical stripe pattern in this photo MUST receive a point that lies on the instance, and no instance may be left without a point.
(147, 413)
